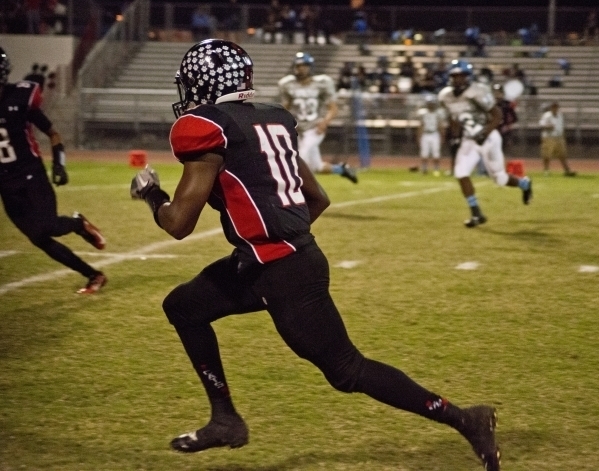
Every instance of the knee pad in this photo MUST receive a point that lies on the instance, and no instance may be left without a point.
(40, 239)
(344, 376)
(174, 307)
(501, 178)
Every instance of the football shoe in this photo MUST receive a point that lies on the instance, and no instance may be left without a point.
(90, 233)
(232, 433)
(475, 221)
(348, 172)
(94, 283)
(478, 427)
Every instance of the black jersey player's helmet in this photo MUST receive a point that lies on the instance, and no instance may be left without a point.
(4, 68)
(214, 71)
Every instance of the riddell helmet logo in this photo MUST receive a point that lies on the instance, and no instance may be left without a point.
(245, 95)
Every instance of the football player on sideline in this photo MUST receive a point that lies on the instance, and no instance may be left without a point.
(312, 101)
(242, 159)
(26, 192)
(473, 113)
(428, 134)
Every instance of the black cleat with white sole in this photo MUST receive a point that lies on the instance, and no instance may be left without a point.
(478, 427)
(475, 221)
(233, 434)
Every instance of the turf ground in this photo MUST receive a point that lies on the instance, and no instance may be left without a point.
(504, 314)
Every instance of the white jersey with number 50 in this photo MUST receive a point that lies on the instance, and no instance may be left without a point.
(307, 103)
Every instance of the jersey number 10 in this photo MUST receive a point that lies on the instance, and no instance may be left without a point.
(275, 143)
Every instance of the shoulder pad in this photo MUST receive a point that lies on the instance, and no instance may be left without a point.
(287, 79)
(322, 78)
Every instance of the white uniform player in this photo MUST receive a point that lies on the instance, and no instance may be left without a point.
(474, 116)
(429, 134)
(313, 102)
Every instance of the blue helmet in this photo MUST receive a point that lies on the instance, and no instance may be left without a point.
(303, 58)
(459, 66)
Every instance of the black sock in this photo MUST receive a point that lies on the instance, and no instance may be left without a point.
(391, 386)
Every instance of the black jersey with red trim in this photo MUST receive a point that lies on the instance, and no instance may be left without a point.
(19, 110)
(258, 191)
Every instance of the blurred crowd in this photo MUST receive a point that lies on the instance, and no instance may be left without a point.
(33, 17)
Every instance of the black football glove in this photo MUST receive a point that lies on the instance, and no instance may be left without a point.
(59, 172)
(59, 175)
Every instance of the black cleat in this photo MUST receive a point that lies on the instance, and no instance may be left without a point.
(475, 221)
(569, 173)
(527, 194)
(233, 434)
(90, 233)
(348, 172)
(478, 427)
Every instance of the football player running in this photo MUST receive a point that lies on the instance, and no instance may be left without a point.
(241, 158)
(26, 192)
(474, 114)
(311, 99)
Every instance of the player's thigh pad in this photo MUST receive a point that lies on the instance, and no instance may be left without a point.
(493, 158)
(309, 149)
(466, 158)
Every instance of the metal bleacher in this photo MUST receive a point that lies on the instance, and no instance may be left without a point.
(139, 95)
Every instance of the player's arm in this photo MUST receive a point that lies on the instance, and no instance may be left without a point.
(180, 216)
(59, 173)
(331, 114)
(314, 194)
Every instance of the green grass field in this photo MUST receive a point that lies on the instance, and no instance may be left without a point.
(102, 383)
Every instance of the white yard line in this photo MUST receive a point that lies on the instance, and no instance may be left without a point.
(117, 258)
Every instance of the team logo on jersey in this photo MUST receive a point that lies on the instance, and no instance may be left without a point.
(13, 108)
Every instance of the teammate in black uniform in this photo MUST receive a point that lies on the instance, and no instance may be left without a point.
(241, 158)
(26, 192)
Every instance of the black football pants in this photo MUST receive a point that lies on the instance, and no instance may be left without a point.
(30, 203)
(295, 292)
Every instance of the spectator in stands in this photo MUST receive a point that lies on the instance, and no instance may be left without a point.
(308, 20)
(352, 76)
(288, 22)
(475, 41)
(407, 68)
(271, 28)
(591, 29)
(203, 24)
(553, 141)
(231, 23)
(425, 83)
(381, 78)
(440, 74)
(33, 10)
